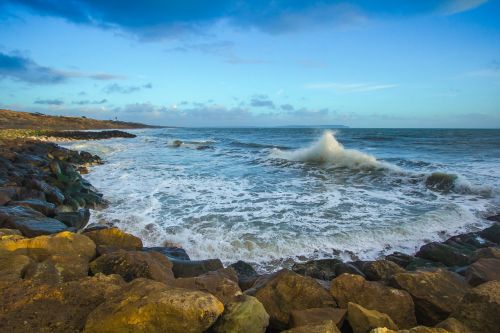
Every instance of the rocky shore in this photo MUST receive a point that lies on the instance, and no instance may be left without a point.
(59, 275)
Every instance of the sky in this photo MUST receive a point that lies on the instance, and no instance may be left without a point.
(364, 63)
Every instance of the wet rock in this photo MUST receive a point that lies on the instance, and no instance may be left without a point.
(400, 259)
(423, 264)
(41, 247)
(77, 220)
(436, 294)
(483, 270)
(216, 283)
(246, 314)
(398, 304)
(454, 326)
(380, 270)
(32, 227)
(7, 194)
(192, 268)
(348, 268)
(441, 181)
(134, 264)
(171, 252)
(109, 239)
(44, 207)
(446, 254)
(488, 252)
(323, 269)
(285, 291)
(480, 307)
(317, 316)
(492, 233)
(246, 274)
(417, 329)
(363, 320)
(325, 327)
(495, 218)
(63, 308)
(145, 306)
(13, 266)
(470, 241)
(52, 193)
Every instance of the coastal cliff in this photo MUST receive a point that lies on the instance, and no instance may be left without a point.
(58, 274)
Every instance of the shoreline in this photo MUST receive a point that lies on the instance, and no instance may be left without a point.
(42, 195)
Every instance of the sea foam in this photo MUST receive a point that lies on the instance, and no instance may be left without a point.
(327, 150)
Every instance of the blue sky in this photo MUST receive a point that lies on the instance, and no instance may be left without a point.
(387, 63)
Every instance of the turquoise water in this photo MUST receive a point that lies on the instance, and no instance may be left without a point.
(276, 195)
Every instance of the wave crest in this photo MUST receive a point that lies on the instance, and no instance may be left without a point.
(327, 150)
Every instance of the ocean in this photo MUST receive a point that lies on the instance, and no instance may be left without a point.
(274, 196)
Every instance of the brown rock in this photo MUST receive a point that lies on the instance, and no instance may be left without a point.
(134, 264)
(63, 308)
(381, 270)
(216, 283)
(436, 294)
(113, 238)
(453, 325)
(317, 316)
(363, 320)
(58, 268)
(192, 268)
(487, 252)
(285, 291)
(398, 304)
(417, 329)
(13, 266)
(246, 315)
(483, 270)
(42, 247)
(325, 327)
(146, 306)
(480, 307)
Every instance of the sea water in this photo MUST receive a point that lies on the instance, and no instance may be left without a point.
(273, 196)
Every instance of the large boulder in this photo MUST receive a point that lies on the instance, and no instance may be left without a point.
(246, 314)
(63, 308)
(417, 329)
(146, 306)
(317, 316)
(246, 274)
(41, 247)
(487, 252)
(171, 252)
(216, 283)
(323, 269)
(29, 221)
(363, 320)
(324, 327)
(380, 270)
(398, 304)
(192, 268)
(77, 220)
(492, 233)
(285, 291)
(13, 266)
(480, 307)
(109, 239)
(483, 270)
(446, 254)
(134, 264)
(454, 326)
(58, 268)
(44, 207)
(436, 294)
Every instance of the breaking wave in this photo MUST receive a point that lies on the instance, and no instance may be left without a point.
(327, 150)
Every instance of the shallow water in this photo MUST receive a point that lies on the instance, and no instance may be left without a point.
(273, 195)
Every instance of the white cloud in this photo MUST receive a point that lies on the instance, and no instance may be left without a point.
(348, 87)
(458, 6)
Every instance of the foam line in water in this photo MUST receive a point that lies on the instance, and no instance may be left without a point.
(327, 150)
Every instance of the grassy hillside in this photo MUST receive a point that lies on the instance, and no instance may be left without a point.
(37, 121)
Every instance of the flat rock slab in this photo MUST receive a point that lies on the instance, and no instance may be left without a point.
(32, 227)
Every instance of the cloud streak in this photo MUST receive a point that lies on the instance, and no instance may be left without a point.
(116, 88)
(348, 87)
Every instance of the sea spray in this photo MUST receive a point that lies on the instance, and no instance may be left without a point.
(327, 150)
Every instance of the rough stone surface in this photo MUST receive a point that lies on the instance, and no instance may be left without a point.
(444, 253)
(325, 327)
(246, 315)
(42, 247)
(317, 316)
(480, 307)
(185, 269)
(13, 266)
(380, 270)
(488, 252)
(63, 308)
(146, 306)
(216, 283)
(323, 269)
(77, 220)
(171, 252)
(363, 320)
(398, 304)
(417, 329)
(436, 294)
(285, 291)
(454, 326)
(114, 238)
(492, 233)
(134, 264)
(246, 274)
(483, 270)
(44, 207)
